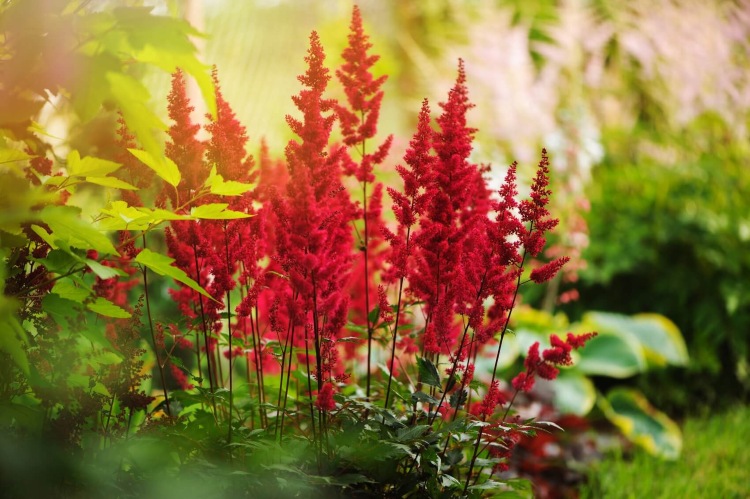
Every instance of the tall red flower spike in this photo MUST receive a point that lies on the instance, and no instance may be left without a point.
(313, 235)
(184, 148)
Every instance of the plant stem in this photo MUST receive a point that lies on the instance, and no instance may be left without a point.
(153, 336)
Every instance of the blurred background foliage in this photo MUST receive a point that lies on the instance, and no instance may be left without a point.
(644, 107)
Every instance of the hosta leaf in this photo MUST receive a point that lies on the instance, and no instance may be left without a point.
(162, 165)
(661, 339)
(216, 211)
(611, 355)
(574, 392)
(104, 307)
(162, 265)
(641, 423)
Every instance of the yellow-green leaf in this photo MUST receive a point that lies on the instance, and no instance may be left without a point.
(163, 166)
(216, 211)
(162, 265)
(217, 185)
(113, 182)
(104, 307)
(89, 166)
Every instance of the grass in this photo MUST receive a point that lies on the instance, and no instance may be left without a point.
(715, 463)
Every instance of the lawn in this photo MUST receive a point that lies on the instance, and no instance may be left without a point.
(715, 463)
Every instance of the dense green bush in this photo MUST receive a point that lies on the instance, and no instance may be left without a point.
(672, 238)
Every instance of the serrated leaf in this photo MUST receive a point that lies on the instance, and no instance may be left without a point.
(104, 307)
(67, 289)
(411, 432)
(113, 182)
(163, 166)
(423, 397)
(216, 211)
(458, 398)
(428, 373)
(162, 265)
(217, 185)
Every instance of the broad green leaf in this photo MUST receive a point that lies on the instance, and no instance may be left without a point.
(574, 393)
(104, 307)
(216, 211)
(12, 155)
(113, 182)
(89, 166)
(653, 430)
(611, 355)
(428, 373)
(66, 225)
(59, 308)
(102, 271)
(162, 265)
(12, 336)
(162, 165)
(660, 337)
(132, 98)
(67, 289)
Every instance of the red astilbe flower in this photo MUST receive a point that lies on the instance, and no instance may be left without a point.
(325, 401)
(226, 148)
(411, 204)
(183, 147)
(359, 120)
(544, 365)
(534, 210)
(456, 203)
(548, 270)
(313, 236)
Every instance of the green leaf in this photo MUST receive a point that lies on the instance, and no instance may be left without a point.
(661, 339)
(113, 182)
(102, 271)
(611, 355)
(163, 166)
(67, 289)
(12, 336)
(216, 211)
(411, 432)
(89, 166)
(217, 185)
(428, 373)
(574, 393)
(104, 307)
(12, 155)
(67, 226)
(132, 98)
(423, 397)
(458, 398)
(162, 265)
(641, 423)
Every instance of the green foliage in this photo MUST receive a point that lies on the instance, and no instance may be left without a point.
(625, 346)
(714, 463)
(672, 239)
